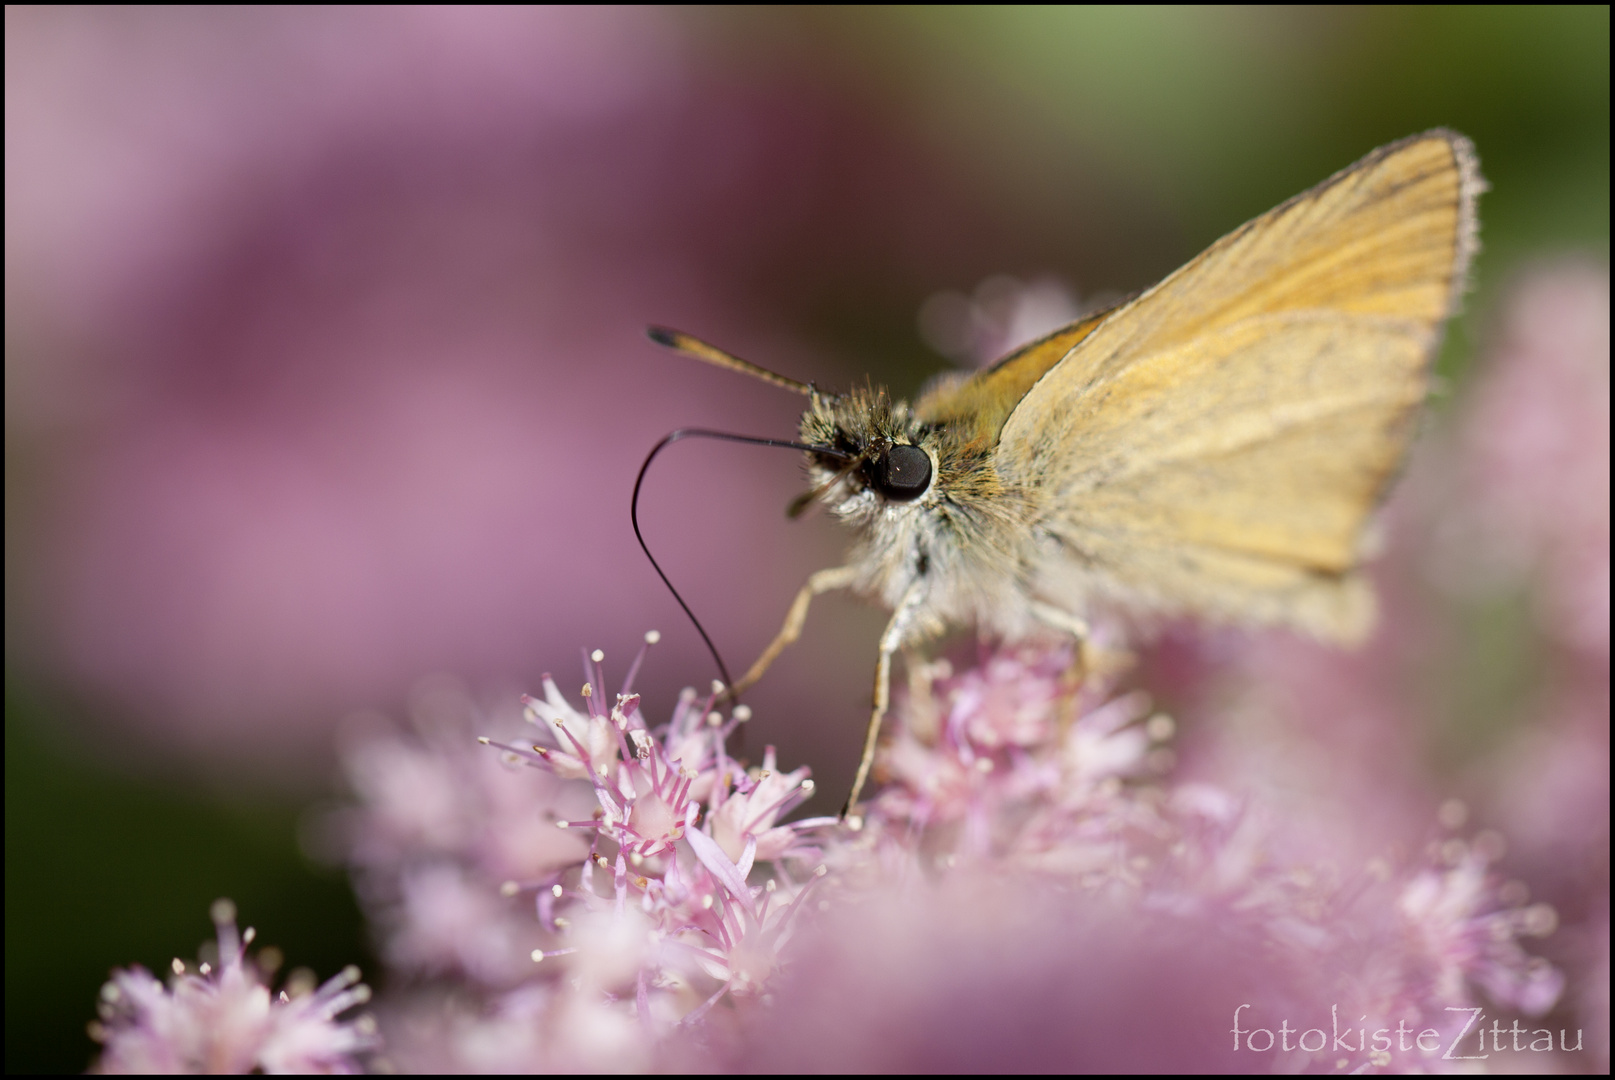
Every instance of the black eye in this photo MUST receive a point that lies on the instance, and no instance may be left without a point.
(903, 473)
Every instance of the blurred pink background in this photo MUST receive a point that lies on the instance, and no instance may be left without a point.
(326, 367)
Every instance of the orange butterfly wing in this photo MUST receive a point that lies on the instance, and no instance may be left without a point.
(1217, 445)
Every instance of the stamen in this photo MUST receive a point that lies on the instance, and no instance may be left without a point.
(538, 753)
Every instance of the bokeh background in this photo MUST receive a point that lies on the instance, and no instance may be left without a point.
(325, 368)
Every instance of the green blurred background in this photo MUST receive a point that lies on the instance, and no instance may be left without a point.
(1101, 145)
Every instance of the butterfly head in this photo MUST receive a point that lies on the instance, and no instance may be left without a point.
(882, 455)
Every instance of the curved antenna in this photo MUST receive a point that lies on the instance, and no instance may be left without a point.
(633, 511)
(681, 342)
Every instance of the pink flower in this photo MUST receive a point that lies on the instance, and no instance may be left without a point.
(1029, 827)
(748, 814)
(646, 799)
(1461, 934)
(645, 930)
(221, 1018)
(1064, 907)
(1536, 452)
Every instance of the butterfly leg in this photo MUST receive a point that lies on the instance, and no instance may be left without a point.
(890, 641)
(1050, 615)
(1060, 619)
(1091, 659)
(824, 581)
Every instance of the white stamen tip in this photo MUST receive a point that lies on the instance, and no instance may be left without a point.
(563, 824)
(855, 822)
(598, 655)
(714, 719)
(223, 911)
(484, 740)
(717, 686)
(807, 785)
(556, 889)
(249, 935)
(509, 889)
(588, 690)
(206, 969)
(537, 955)
(177, 966)
(1160, 727)
(742, 713)
(652, 637)
(1539, 920)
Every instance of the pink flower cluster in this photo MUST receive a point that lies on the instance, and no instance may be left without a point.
(678, 828)
(605, 894)
(219, 1016)
(686, 926)
(1017, 774)
(657, 880)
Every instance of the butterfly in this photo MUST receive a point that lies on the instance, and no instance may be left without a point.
(1214, 446)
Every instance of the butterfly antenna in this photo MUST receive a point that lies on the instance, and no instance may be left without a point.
(681, 342)
(633, 512)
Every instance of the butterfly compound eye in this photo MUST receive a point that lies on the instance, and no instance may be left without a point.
(904, 472)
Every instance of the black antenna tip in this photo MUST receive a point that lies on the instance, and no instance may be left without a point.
(663, 336)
